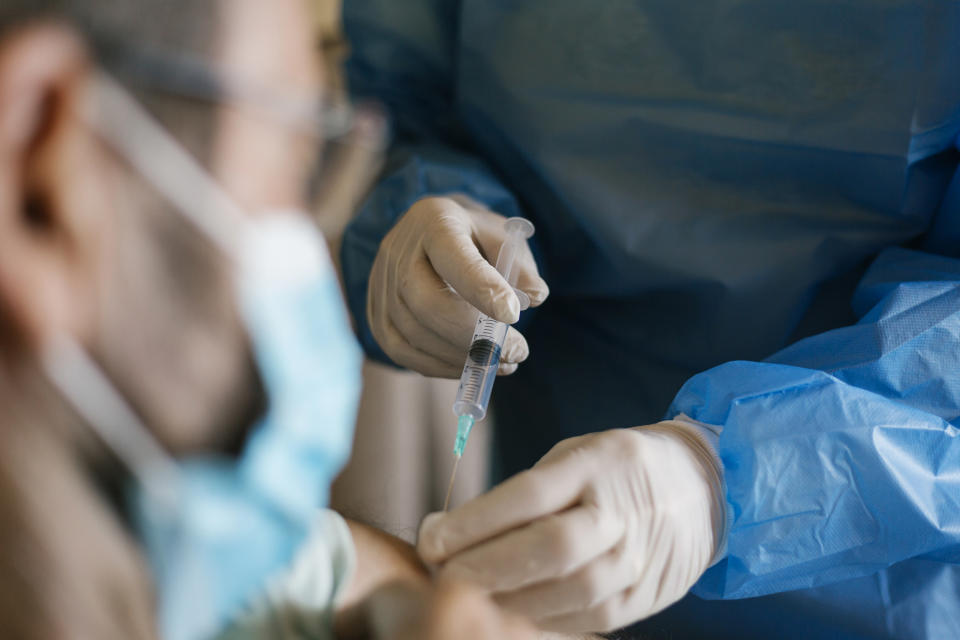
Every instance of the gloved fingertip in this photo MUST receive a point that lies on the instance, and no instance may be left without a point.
(429, 542)
(504, 305)
(506, 368)
(515, 352)
(538, 293)
(510, 310)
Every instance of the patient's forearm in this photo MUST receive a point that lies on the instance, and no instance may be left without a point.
(381, 558)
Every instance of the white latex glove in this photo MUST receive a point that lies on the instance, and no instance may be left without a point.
(431, 274)
(606, 529)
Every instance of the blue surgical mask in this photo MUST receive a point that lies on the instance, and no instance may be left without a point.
(215, 529)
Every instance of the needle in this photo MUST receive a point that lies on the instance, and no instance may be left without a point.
(453, 476)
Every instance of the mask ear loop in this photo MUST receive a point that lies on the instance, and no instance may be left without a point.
(175, 174)
(140, 140)
(84, 385)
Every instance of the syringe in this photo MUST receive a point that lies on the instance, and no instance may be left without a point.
(483, 358)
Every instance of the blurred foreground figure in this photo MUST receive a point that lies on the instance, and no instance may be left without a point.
(177, 372)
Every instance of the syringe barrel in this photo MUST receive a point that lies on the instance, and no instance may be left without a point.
(480, 370)
(483, 359)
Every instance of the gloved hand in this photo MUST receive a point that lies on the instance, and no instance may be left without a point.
(606, 529)
(431, 274)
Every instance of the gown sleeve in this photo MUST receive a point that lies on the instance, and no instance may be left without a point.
(841, 453)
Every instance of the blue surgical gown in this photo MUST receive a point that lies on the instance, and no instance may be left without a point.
(748, 211)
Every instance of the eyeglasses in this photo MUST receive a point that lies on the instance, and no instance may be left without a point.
(190, 78)
(334, 186)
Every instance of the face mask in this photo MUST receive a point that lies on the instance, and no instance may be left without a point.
(215, 529)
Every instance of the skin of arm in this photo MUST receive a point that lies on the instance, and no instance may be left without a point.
(381, 559)
(384, 564)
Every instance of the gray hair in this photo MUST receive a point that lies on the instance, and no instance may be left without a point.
(183, 26)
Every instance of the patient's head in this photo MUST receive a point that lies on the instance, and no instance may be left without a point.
(90, 250)
(86, 247)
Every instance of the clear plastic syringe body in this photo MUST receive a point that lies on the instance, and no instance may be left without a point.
(480, 370)
(483, 358)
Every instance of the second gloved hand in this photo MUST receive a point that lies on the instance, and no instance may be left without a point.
(431, 274)
(606, 529)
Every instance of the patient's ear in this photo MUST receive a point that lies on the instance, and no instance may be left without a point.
(51, 197)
